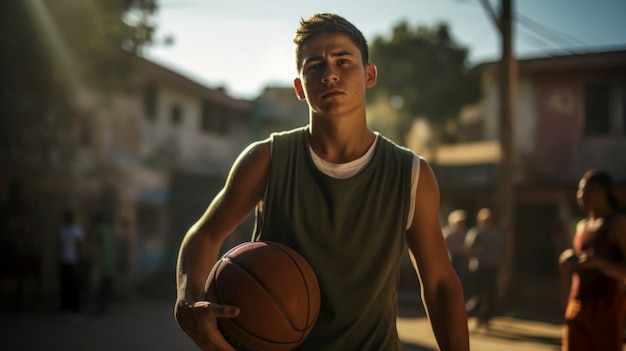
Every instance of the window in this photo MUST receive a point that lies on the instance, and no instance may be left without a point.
(150, 96)
(598, 109)
(205, 120)
(214, 118)
(176, 115)
(605, 109)
(224, 126)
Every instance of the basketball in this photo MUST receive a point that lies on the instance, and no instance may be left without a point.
(276, 291)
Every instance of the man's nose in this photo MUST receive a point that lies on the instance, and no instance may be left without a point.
(330, 75)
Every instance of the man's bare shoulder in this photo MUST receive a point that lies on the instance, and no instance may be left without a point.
(251, 167)
(256, 153)
(426, 176)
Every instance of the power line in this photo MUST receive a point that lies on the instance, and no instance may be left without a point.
(543, 33)
(533, 39)
(536, 33)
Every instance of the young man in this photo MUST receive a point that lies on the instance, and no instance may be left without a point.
(348, 199)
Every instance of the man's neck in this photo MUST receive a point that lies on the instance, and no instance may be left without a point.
(340, 141)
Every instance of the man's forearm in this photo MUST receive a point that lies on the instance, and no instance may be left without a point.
(195, 261)
(446, 312)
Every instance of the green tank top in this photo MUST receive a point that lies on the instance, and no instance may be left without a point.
(351, 231)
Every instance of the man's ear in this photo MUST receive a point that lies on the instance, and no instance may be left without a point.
(371, 75)
(297, 86)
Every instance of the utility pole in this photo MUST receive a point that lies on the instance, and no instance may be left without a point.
(505, 194)
(508, 90)
(507, 78)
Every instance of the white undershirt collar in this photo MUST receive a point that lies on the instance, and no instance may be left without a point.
(343, 170)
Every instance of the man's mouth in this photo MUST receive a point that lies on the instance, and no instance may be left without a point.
(331, 92)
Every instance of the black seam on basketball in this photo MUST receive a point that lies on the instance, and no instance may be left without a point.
(308, 296)
(276, 301)
(215, 291)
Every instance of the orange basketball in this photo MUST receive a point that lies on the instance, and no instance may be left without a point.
(276, 291)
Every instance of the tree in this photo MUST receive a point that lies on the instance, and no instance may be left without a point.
(53, 51)
(104, 37)
(423, 72)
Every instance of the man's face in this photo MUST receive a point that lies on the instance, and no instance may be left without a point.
(333, 79)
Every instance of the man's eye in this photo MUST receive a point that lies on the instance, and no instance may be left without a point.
(313, 67)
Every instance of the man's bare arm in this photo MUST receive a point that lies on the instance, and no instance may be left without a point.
(441, 289)
(243, 190)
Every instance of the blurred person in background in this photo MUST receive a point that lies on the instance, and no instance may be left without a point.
(454, 234)
(124, 257)
(486, 247)
(106, 261)
(594, 316)
(70, 236)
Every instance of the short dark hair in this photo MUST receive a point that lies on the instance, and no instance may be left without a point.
(323, 23)
(604, 180)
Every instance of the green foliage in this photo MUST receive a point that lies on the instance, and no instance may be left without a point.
(104, 37)
(52, 50)
(427, 70)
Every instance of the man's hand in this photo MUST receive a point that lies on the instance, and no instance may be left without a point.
(198, 320)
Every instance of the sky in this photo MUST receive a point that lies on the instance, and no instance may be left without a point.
(246, 45)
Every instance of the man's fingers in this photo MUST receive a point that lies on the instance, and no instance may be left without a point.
(207, 334)
(199, 321)
(220, 311)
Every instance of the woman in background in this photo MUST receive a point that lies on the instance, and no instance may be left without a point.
(594, 315)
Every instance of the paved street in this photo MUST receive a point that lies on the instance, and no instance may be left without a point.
(147, 324)
(138, 324)
(505, 333)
